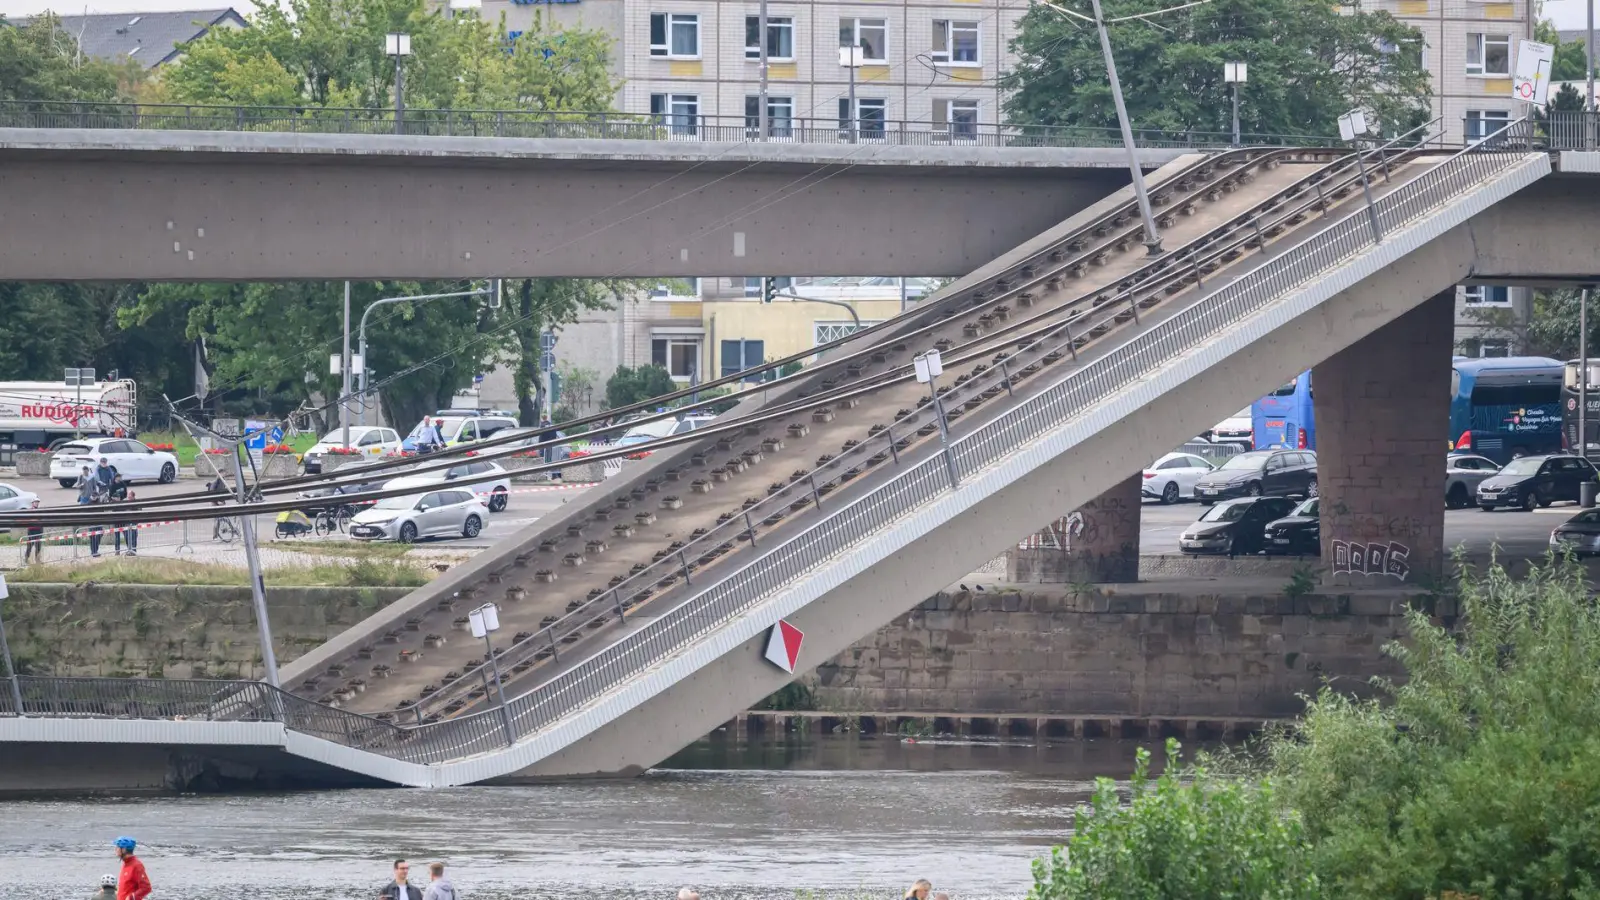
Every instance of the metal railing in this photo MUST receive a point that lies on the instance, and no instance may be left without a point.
(917, 484)
(1562, 130)
(514, 123)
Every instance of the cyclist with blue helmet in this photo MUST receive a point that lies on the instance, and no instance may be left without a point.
(132, 882)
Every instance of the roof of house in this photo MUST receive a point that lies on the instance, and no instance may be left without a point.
(151, 38)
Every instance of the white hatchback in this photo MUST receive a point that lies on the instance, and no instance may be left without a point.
(1171, 478)
(489, 481)
(448, 513)
(132, 460)
(371, 441)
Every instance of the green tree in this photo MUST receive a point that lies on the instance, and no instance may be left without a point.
(1569, 59)
(1187, 835)
(628, 386)
(545, 304)
(40, 61)
(1309, 62)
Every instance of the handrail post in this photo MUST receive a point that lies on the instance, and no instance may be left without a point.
(1007, 373)
(616, 598)
(554, 653)
(1322, 199)
(1199, 277)
(749, 528)
(1261, 239)
(1072, 342)
(893, 450)
(816, 495)
(684, 561)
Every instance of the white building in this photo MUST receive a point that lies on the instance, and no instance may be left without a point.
(935, 63)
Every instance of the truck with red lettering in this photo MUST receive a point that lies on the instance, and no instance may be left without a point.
(35, 414)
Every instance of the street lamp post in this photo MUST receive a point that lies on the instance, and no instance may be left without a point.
(1235, 73)
(1353, 125)
(850, 57)
(358, 362)
(486, 621)
(398, 46)
(929, 367)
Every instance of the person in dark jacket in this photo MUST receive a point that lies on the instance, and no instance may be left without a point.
(400, 888)
(126, 531)
(108, 888)
(33, 544)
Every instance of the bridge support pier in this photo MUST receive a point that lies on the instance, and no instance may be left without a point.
(1098, 542)
(1382, 429)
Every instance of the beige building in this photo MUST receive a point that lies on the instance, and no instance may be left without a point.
(935, 63)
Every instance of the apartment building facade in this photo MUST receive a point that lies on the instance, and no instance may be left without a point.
(926, 65)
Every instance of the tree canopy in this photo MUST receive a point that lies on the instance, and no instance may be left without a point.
(1308, 61)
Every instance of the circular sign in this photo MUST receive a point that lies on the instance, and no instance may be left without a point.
(1571, 403)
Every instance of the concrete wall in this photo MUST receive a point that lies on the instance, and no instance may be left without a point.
(175, 632)
(1244, 652)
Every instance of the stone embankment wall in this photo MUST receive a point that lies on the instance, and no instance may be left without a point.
(172, 631)
(1124, 650)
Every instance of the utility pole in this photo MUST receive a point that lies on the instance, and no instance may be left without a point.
(761, 39)
(1152, 237)
(344, 367)
(1589, 58)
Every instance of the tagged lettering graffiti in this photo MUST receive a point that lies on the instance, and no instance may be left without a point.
(1060, 534)
(1376, 558)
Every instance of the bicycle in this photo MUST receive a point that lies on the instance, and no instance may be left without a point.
(332, 518)
(225, 530)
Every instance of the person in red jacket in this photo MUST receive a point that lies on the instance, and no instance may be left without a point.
(132, 883)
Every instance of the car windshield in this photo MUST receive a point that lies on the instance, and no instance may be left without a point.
(1306, 508)
(1527, 465)
(396, 502)
(1225, 512)
(1244, 462)
(628, 440)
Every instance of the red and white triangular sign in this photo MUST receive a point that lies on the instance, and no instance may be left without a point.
(783, 647)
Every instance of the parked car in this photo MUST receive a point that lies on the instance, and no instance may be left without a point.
(1234, 527)
(1532, 481)
(488, 480)
(1579, 534)
(409, 518)
(1260, 473)
(371, 440)
(132, 460)
(14, 498)
(375, 482)
(1299, 533)
(1171, 478)
(1463, 473)
(1238, 429)
(461, 428)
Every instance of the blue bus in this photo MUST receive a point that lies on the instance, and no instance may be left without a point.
(1283, 419)
(1505, 407)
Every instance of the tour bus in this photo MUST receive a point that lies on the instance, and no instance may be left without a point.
(1569, 407)
(1505, 407)
(1283, 420)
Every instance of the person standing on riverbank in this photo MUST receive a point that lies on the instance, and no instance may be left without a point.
(132, 883)
(439, 887)
(920, 890)
(108, 888)
(401, 888)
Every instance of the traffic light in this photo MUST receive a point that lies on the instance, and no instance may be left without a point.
(769, 289)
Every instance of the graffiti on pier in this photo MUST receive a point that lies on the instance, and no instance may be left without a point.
(1059, 535)
(1375, 558)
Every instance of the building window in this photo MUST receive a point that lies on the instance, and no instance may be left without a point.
(1488, 54)
(780, 38)
(955, 43)
(1486, 295)
(752, 286)
(780, 116)
(1483, 122)
(740, 355)
(872, 35)
(828, 332)
(869, 117)
(1495, 347)
(676, 289)
(956, 118)
(680, 112)
(680, 356)
(675, 35)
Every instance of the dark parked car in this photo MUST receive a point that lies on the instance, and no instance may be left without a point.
(1579, 534)
(1261, 473)
(1535, 481)
(1300, 532)
(1234, 527)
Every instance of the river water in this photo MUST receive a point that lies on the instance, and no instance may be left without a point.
(841, 816)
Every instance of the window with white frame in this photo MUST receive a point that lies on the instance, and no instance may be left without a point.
(1486, 295)
(1483, 122)
(680, 356)
(680, 112)
(676, 289)
(827, 332)
(872, 35)
(958, 119)
(1494, 347)
(955, 43)
(780, 38)
(675, 35)
(870, 116)
(780, 116)
(1488, 54)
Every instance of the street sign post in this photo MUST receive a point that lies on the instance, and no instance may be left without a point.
(1530, 83)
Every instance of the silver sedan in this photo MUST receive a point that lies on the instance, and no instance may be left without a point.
(1463, 473)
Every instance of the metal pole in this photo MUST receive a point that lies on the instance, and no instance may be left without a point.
(362, 328)
(1366, 189)
(761, 39)
(399, 94)
(1583, 373)
(11, 667)
(1236, 114)
(938, 407)
(855, 50)
(1152, 237)
(1589, 58)
(258, 590)
(344, 367)
(500, 688)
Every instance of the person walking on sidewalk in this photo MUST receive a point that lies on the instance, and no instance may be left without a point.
(132, 883)
(400, 888)
(33, 544)
(126, 531)
(439, 887)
